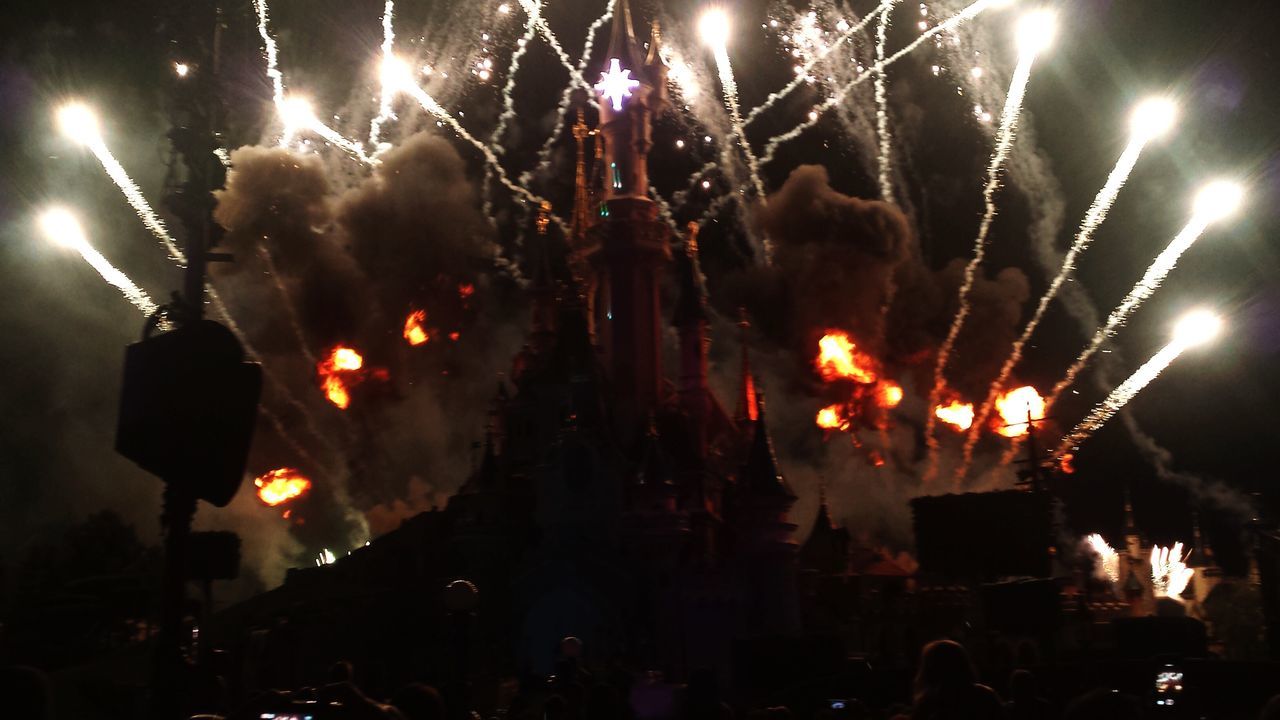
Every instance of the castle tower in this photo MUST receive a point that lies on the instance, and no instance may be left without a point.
(690, 321)
(745, 411)
(628, 248)
(1132, 539)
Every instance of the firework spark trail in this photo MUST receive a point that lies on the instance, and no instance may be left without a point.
(566, 96)
(1108, 566)
(534, 9)
(134, 195)
(354, 149)
(1155, 274)
(508, 107)
(801, 77)
(429, 104)
(1093, 218)
(289, 309)
(1169, 571)
(272, 54)
(216, 300)
(949, 24)
(1004, 140)
(157, 228)
(1122, 395)
(882, 107)
(63, 228)
(730, 88)
(387, 93)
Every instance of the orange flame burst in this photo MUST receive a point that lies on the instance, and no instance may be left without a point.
(1014, 406)
(1067, 463)
(832, 417)
(414, 329)
(839, 358)
(957, 414)
(888, 394)
(281, 485)
(336, 371)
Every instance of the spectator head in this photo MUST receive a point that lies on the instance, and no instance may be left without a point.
(1022, 685)
(419, 702)
(342, 672)
(1271, 711)
(943, 664)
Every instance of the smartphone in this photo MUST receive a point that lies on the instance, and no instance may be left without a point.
(1168, 685)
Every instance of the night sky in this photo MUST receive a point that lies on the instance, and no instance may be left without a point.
(64, 330)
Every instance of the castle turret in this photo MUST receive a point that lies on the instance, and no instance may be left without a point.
(628, 248)
(690, 321)
(745, 411)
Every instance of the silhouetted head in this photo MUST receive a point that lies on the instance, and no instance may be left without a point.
(1022, 685)
(944, 664)
(342, 671)
(419, 702)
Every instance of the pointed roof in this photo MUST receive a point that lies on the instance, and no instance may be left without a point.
(691, 305)
(760, 474)
(827, 549)
(622, 42)
(1130, 528)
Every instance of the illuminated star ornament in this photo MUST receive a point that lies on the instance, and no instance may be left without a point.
(616, 84)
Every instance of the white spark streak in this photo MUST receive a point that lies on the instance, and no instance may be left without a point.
(272, 53)
(63, 228)
(951, 23)
(1096, 213)
(134, 196)
(544, 153)
(730, 88)
(1004, 140)
(1151, 279)
(387, 93)
(799, 79)
(1122, 395)
(882, 107)
(289, 308)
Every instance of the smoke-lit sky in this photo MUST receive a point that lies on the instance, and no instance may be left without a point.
(414, 235)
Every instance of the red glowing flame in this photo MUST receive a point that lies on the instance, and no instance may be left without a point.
(338, 372)
(453, 336)
(466, 290)
(839, 359)
(956, 414)
(832, 417)
(888, 394)
(281, 485)
(1014, 407)
(415, 330)
(1066, 462)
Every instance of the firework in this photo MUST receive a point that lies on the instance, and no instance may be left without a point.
(79, 123)
(296, 114)
(839, 358)
(386, 95)
(1108, 566)
(415, 329)
(281, 485)
(884, 160)
(62, 227)
(1034, 33)
(1150, 119)
(956, 414)
(1169, 571)
(566, 95)
(714, 29)
(803, 73)
(272, 53)
(1216, 201)
(287, 301)
(1195, 328)
(838, 97)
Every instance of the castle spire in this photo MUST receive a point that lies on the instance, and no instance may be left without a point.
(622, 41)
(581, 197)
(747, 406)
(690, 321)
